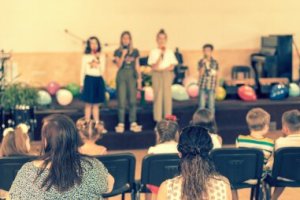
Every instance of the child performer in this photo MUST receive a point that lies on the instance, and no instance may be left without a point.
(92, 70)
(162, 61)
(208, 75)
(128, 80)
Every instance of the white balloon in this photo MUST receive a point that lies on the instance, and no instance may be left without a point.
(64, 97)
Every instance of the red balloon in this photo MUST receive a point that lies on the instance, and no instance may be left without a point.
(247, 93)
(53, 87)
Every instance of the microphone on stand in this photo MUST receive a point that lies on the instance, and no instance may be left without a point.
(75, 36)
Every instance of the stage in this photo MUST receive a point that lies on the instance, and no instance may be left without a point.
(230, 116)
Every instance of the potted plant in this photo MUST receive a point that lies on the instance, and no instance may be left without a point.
(19, 100)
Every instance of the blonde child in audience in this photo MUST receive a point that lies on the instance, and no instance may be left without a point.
(90, 132)
(291, 131)
(15, 142)
(166, 132)
(258, 121)
(206, 119)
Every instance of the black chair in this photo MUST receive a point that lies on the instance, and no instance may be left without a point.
(286, 166)
(156, 169)
(240, 165)
(9, 167)
(245, 70)
(122, 168)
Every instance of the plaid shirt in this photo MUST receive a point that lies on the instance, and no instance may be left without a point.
(208, 80)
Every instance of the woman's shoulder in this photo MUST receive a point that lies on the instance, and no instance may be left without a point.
(220, 179)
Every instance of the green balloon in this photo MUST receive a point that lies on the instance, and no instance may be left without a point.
(73, 88)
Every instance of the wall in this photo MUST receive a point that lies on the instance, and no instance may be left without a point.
(34, 30)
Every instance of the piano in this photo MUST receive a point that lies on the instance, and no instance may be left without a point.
(273, 63)
(274, 58)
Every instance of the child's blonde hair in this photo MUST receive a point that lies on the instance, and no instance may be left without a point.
(257, 119)
(14, 141)
(89, 130)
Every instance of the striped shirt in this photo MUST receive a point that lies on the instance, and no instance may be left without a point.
(264, 144)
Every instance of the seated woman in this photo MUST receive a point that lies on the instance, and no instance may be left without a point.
(166, 132)
(198, 178)
(90, 132)
(15, 142)
(61, 172)
(204, 118)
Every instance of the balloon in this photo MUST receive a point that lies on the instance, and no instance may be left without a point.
(53, 87)
(220, 93)
(44, 98)
(189, 80)
(64, 97)
(247, 93)
(112, 92)
(148, 93)
(73, 88)
(294, 90)
(138, 95)
(179, 93)
(193, 90)
(279, 92)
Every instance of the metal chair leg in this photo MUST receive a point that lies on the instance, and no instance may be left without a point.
(252, 193)
(257, 191)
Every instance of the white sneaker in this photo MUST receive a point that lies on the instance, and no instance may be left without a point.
(120, 128)
(134, 127)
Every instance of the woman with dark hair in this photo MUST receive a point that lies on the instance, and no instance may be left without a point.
(91, 80)
(128, 80)
(198, 178)
(206, 119)
(61, 172)
(162, 60)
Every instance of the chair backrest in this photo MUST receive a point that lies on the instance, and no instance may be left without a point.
(287, 163)
(240, 69)
(238, 165)
(9, 167)
(121, 167)
(157, 168)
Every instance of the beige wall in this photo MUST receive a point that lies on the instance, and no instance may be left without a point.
(34, 30)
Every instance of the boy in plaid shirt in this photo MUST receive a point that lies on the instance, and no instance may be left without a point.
(208, 73)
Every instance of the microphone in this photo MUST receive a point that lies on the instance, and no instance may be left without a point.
(163, 49)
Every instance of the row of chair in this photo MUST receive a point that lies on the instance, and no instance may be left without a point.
(238, 165)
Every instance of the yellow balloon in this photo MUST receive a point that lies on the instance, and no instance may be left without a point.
(220, 93)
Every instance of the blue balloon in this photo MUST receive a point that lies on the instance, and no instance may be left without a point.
(294, 90)
(112, 92)
(279, 92)
(44, 98)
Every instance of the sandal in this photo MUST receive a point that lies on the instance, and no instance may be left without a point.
(134, 127)
(120, 128)
(104, 131)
